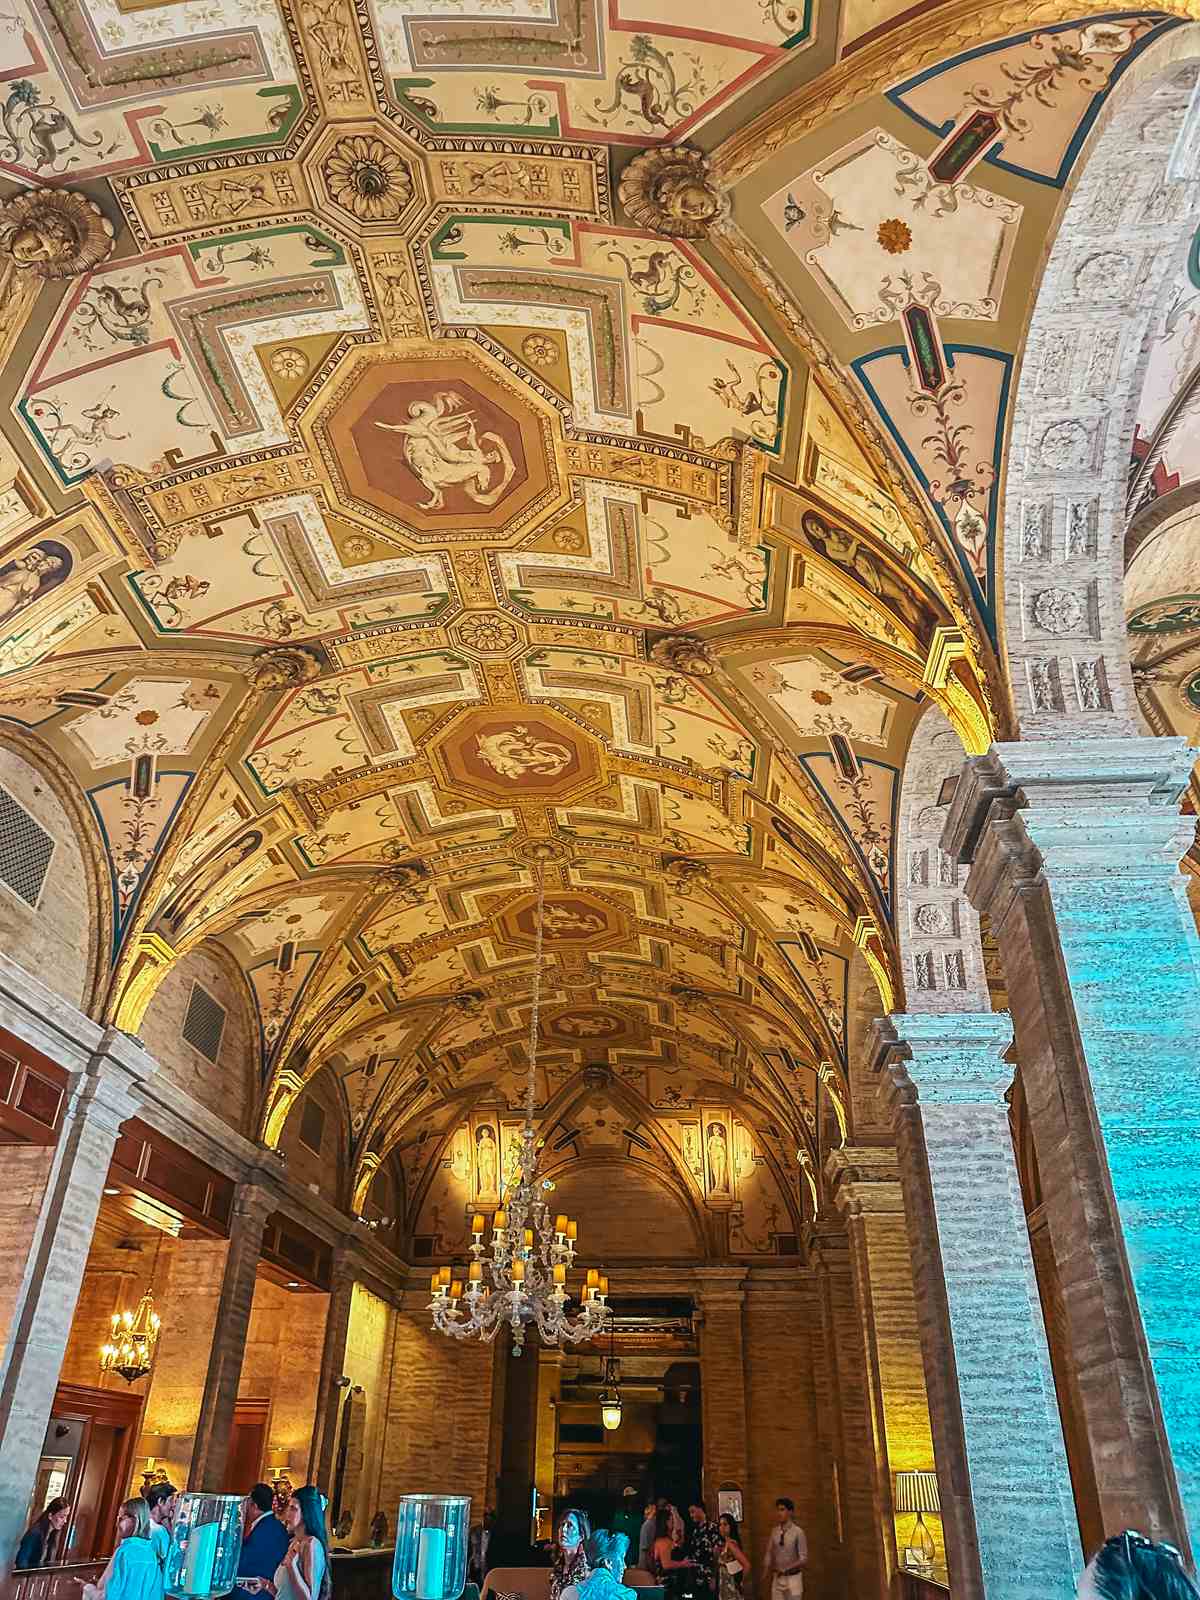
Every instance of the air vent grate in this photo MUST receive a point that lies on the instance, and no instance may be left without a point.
(26, 850)
(204, 1023)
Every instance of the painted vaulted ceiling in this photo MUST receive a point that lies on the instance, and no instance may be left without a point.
(433, 472)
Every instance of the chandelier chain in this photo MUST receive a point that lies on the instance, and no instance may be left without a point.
(535, 1011)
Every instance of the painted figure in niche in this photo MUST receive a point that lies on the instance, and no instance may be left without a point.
(226, 859)
(514, 752)
(443, 450)
(855, 557)
(27, 578)
(718, 1158)
(487, 1166)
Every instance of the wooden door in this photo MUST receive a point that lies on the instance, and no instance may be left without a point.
(247, 1445)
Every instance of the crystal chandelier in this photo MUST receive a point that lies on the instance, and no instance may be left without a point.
(531, 1251)
(133, 1338)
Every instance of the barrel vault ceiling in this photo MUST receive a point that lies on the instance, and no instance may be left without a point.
(423, 483)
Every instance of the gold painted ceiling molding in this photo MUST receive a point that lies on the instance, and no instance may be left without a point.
(737, 250)
(896, 54)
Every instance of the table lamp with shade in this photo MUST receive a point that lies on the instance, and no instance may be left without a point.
(917, 1492)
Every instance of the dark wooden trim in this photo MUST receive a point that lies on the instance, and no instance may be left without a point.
(152, 1164)
(33, 1093)
(296, 1252)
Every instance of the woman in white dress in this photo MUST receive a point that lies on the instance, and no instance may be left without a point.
(1132, 1567)
(303, 1574)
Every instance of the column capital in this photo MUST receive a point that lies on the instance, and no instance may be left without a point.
(112, 1086)
(1073, 787)
(955, 1059)
(865, 1180)
(253, 1203)
(720, 1287)
(827, 1242)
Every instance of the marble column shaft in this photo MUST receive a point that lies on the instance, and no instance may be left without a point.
(722, 1379)
(987, 1366)
(333, 1360)
(866, 1190)
(252, 1205)
(828, 1247)
(1076, 849)
(101, 1095)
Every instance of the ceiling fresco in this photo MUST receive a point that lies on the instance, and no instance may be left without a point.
(445, 440)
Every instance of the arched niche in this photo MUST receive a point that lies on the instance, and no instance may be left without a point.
(54, 925)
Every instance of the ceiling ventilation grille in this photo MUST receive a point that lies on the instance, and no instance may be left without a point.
(26, 850)
(204, 1023)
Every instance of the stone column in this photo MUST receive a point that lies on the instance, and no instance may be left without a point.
(101, 1095)
(1007, 1508)
(545, 1449)
(722, 1379)
(1076, 849)
(866, 1189)
(864, 1571)
(252, 1205)
(330, 1389)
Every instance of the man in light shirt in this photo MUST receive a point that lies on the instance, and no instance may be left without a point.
(161, 1499)
(787, 1554)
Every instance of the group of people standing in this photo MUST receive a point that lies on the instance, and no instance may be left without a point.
(699, 1558)
(285, 1559)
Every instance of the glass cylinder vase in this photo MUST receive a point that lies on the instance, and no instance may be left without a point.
(206, 1545)
(431, 1546)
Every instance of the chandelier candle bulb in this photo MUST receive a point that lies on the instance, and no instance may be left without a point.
(529, 1238)
(572, 1231)
(475, 1272)
(499, 1223)
(518, 1271)
(560, 1226)
(560, 1274)
(477, 1224)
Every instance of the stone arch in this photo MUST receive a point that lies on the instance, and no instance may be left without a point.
(65, 941)
(229, 1086)
(1124, 232)
(937, 928)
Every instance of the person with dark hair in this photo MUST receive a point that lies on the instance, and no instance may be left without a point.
(1132, 1567)
(40, 1541)
(646, 1536)
(664, 1563)
(734, 1562)
(787, 1554)
(570, 1564)
(703, 1543)
(303, 1574)
(264, 1538)
(161, 1499)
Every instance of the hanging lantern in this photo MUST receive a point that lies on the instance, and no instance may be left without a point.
(610, 1394)
(133, 1341)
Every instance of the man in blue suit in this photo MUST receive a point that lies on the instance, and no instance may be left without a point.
(265, 1540)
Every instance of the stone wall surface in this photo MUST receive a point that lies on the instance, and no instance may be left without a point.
(224, 1086)
(49, 940)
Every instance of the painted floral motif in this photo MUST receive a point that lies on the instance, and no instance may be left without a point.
(895, 236)
(965, 484)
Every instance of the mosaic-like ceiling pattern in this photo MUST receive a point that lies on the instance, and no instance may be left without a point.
(443, 436)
